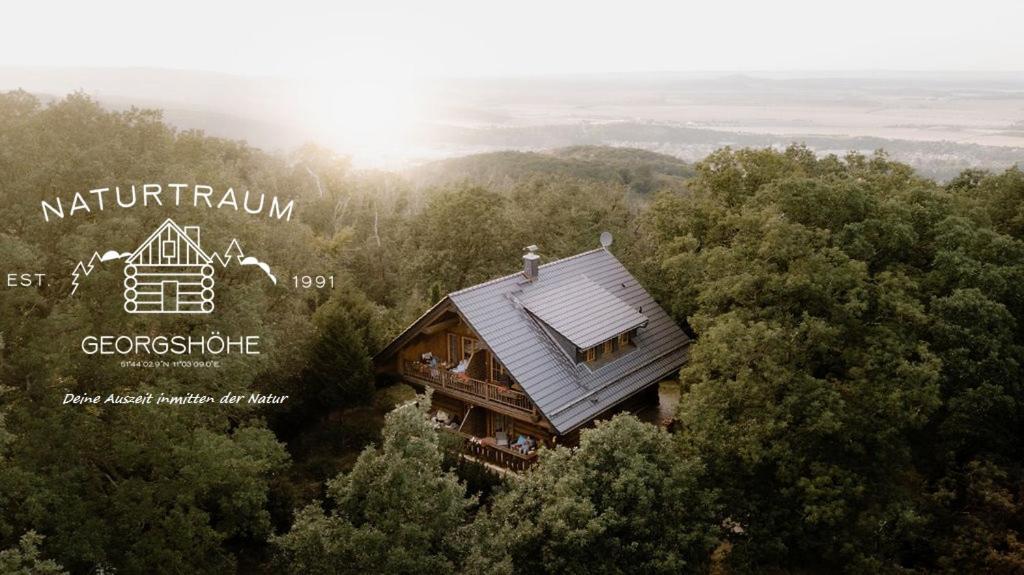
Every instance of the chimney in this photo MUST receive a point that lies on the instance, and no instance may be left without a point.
(193, 233)
(531, 263)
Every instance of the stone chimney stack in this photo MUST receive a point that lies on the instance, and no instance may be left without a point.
(531, 263)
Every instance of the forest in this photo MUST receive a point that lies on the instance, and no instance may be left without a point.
(853, 401)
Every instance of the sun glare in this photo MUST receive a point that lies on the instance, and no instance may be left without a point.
(371, 120)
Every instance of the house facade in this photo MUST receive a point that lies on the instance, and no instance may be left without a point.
(169, 273)
(531, 358)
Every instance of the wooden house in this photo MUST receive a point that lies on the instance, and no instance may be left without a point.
(169, 273)
(531, 358)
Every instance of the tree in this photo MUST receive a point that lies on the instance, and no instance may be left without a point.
(135, 488)
(625, 501)
(397, 511)
(464, 236)
(339, 372)
(26, 560)
(854, 386)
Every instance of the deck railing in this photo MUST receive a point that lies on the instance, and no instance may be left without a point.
(442, 379)
(487, 452)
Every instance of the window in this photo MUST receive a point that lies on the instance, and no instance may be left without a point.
(604, 349)
(453, 348)
(169, 249)
(497, 370)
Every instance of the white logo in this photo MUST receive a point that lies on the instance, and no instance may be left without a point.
(169, 272)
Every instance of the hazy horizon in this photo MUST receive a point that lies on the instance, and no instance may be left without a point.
(939, 122)
(397, 83)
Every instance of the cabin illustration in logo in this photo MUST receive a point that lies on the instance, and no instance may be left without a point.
(169, 273)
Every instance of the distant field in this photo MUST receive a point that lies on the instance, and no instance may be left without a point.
(939, 123)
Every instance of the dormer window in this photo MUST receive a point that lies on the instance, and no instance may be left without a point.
(588, 322)
(607, 350)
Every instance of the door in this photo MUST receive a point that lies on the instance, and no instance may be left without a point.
(497, 422)
(169, 295)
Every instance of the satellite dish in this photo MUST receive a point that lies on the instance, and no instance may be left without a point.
(606, 239)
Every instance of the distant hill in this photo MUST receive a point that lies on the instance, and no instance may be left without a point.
(938, 122)
(643, 171)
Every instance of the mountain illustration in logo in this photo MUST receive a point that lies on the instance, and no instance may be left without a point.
(170, 272)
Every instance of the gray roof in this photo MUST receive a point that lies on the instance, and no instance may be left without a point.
(582, 311)
(566, 393)
(569, 394)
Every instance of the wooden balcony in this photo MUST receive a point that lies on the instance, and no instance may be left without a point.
(485, 450)
(491, 395)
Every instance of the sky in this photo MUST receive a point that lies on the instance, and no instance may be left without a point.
(442, 38)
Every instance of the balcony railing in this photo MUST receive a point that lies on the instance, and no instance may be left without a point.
(483, 450)
(442, 379)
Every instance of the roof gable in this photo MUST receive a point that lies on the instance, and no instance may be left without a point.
(169, 223)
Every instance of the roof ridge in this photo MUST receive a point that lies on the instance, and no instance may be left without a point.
(514, 274)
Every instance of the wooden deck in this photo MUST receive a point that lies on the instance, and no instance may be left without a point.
(490, 395)
(483, 450)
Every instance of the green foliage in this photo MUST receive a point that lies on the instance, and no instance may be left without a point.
(995, 199)
(979, 511)
(853, 402)
(395, 512)
(859, 354)
(480, 479)
(139, 489)
(149, 495)
(463, 238)
(25, 558)
(625, 501)
(339, 372)
(639, 171)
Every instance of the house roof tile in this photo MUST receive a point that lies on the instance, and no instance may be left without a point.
(590, 295)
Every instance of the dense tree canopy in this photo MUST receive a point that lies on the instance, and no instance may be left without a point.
(856, 380)
(25, 560)
(397, 511)
(853, 398)
(625, 501)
